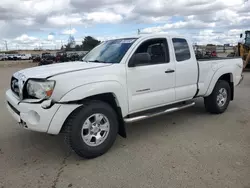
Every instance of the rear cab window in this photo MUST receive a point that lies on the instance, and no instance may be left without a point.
(181, 49)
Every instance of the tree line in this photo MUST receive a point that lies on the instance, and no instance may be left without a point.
(87, 44)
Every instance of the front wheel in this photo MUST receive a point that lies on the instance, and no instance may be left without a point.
(217, 102)
(92, 130)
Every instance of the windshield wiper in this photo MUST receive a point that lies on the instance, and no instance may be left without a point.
(97, 61)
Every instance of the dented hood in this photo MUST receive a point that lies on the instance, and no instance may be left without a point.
(48, 71)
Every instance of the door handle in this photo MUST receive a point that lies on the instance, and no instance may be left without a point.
(169, 71)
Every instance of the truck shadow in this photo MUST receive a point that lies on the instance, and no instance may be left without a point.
(46, 146)
(50, 146)
(167, 123)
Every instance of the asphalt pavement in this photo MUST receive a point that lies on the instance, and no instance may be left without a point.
(189, 148)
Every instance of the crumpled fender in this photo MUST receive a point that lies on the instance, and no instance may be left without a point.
(91, 89)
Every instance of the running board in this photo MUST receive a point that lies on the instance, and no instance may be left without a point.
(150, 115)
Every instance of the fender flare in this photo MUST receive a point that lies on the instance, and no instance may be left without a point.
(217, 74)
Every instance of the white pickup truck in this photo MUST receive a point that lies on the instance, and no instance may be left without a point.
(25, 56)
(118, 82)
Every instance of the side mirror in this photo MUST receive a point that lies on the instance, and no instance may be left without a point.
(139, 58)
(241, 35)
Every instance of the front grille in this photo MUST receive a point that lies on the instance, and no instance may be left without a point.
(14, 86)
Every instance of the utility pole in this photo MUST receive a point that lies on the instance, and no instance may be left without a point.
(6, 44)
(70, 31)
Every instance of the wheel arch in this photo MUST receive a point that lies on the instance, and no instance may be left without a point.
(228, 77)
(109, 98)
(225, 75)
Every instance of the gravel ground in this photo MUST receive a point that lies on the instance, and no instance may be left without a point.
(189, 148)
(18, 63)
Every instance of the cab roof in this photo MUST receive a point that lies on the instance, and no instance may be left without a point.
(142, 36)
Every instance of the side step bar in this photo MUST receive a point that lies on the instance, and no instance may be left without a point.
(150, 115)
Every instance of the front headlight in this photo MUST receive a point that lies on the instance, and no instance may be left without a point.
(40, 89)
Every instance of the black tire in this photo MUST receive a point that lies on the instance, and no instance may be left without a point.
(210, 102)
(74, 129)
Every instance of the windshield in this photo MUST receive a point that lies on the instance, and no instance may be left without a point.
(111, 51)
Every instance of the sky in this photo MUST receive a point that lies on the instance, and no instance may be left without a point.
(29, 24)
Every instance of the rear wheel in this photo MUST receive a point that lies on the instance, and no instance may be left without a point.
(217, 102)
(92, 130)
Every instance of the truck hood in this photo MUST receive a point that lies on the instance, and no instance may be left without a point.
(48, 71)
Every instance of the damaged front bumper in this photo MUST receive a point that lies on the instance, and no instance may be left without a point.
(33, 116)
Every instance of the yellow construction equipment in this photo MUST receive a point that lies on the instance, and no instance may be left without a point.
(243, 49)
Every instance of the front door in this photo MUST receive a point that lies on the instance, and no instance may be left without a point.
(152, 84)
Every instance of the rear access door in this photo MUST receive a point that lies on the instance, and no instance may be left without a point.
(186, 69)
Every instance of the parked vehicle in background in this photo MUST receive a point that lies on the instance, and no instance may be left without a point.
(26, 57)
(119, 81)
(63, 56)
(207, 54)
(47, 59)
(213, 54)
(73, 57)
(10, 56)
(36, 58)
(3, 57)
(17, 57)
(59, 56)
(198, 54)
(46, 54)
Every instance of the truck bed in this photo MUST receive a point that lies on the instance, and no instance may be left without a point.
(208, 67)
